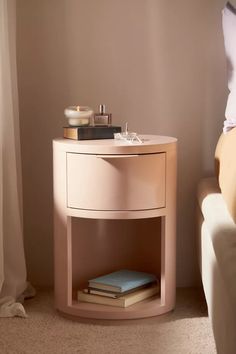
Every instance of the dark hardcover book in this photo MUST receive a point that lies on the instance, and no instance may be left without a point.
(114, 294)
(122, 280)
(90, 132)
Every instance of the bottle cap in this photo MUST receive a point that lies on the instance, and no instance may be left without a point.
(102, 108)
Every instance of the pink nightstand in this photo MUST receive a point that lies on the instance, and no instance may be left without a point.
(114, 208)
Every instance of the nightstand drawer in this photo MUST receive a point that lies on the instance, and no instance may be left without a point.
(115, 182)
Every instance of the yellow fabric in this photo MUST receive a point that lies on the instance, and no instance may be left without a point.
(225, 163)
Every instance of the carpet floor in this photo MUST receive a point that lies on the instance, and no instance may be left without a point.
(186, 330)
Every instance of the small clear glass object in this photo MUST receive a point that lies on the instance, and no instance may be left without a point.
(130, 137)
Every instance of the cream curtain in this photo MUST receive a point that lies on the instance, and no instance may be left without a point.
(12, 261)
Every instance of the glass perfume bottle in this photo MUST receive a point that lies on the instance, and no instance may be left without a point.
(102, 118)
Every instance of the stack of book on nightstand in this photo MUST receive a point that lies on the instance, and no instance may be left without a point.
(90, 132)
(121, 288)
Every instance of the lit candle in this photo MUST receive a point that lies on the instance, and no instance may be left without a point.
(78, 115)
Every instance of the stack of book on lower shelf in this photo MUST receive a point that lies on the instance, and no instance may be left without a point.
(121, 288)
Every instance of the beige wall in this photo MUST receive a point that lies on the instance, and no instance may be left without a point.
(157, 64)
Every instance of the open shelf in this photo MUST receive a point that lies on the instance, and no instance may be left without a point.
(103, 246)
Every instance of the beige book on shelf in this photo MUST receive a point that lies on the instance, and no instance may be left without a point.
(123, 301)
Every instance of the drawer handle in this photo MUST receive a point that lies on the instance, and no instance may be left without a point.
(106, 157)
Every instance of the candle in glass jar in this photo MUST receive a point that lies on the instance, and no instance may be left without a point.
(78, 115)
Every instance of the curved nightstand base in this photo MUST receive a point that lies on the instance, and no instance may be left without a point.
(146, 308)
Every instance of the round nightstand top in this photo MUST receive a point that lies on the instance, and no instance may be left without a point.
(150, 144)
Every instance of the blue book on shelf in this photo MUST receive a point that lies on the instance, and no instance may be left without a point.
(122, 280)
